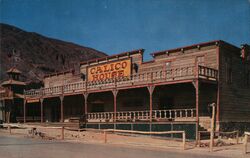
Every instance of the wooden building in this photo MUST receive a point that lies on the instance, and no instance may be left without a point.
(11, 96)
(171, 92)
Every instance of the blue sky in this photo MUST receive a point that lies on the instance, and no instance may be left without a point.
(115, 26)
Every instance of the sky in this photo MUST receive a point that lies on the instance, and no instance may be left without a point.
(116, 26)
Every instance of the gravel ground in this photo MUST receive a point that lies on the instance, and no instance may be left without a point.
(228, 149)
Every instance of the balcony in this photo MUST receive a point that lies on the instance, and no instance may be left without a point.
(135, 80)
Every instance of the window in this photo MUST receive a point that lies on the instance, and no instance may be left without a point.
(168, 65)
(200, 60)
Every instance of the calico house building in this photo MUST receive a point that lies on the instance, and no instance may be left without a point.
(171, 92)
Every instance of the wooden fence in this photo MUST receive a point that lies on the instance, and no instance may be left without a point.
(105, 131)
(149, 133)
(236, 133)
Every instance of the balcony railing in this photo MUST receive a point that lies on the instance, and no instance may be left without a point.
(133, 116)
(174, 74)
(208, 73)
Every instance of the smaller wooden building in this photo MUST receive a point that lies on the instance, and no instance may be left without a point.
(11, 96)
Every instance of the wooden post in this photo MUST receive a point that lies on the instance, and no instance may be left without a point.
(150, 106)
(245, 144)
(218, 90)
(24, 111)
(237, 137)
(115, 92)
(85, 118)
(33, 130)
(199, 139)
(85, 103)
(41, 102)
(151, 90)
(197, 107)
(9, 127)
(212, 128)
(4, 111)
(184, 140)
(62, 116)
(105, 137)
(62, 132)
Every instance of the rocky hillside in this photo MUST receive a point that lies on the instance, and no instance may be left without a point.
(36, 55)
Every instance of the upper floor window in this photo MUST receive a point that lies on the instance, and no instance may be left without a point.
(168, 65)
(200, 60)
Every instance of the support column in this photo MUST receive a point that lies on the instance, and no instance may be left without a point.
(62, 116)
(115, 92)
(218, 108)
(218, 89)
(197, 91)
(41, 103)
(151, 90)
(4, 111)
(85, 109)
(24, 110)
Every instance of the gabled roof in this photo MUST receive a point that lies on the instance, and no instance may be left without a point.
(14, 70)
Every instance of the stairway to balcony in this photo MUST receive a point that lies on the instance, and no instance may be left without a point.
(204, 123)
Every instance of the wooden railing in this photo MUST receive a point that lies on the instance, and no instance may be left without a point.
(133, 116)
(208, 73)
(173, 113)
(174, 74)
